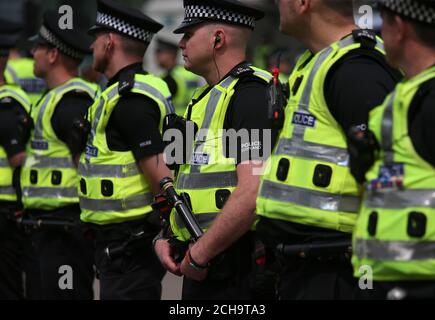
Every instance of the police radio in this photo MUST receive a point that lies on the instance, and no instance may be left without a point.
(277, 100)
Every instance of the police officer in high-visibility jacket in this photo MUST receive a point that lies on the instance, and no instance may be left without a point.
(123, 163)
(181, 82)
(221, 176)
(19, 70)
(49, 175)
(14, 108)
(394, 237)
(308, 200)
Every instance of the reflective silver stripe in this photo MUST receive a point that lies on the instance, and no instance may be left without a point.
(108, 170)
(207, 180)
(89, 90)
(394, 250)
(314, 151)
(4, 162)
(212, 103)
(309, 198)
(45, 192)
(420, 198)
(38, 126)
(387, 130)
(304, 103)
(16, 96)
(46, 162)
(13, 74)
(7, 191)
(117, 205)
(146, 87)
(98, 113)
(263, 74)
(205, 220)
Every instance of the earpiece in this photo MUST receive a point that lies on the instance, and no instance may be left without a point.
(217, 39)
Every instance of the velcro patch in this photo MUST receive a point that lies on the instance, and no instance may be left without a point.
(39, 144)
(304, 119)
(200, 158)
(91, 151)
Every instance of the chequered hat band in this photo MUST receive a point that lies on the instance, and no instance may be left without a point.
(56, 42)
(124, 27)
(412, 9)
(209, 12)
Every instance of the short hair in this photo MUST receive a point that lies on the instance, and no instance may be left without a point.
(424, 32)
(69, 63)
(343, 7)
(133, 47)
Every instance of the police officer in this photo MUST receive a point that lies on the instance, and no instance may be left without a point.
(49, 175)
(123, 163)
(395, 232)
(14, 106)
(181, 83)
(19, 70)
(308, 200)
(220, 178)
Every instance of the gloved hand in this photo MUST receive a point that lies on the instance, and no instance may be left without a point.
(362, 148)
(79, 135)
(25, 126)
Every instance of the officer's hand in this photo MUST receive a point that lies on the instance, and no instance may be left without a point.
(362, 147)
(189, 270)
(163, 251)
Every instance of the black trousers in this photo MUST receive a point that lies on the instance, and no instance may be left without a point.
(229, 278)
(131, 271)
(399, 290)
(314, 279)
(64, 257)
(11, 257)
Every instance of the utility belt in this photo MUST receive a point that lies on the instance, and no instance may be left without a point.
(66, 218)
(234, 261)
(316, 251)
(124, 238)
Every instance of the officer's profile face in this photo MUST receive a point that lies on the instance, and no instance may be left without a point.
(40, 55)
(197, 46)
(392, 42)
(99, 48)
(287, 16)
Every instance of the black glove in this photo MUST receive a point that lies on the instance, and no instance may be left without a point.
(362, 147)
(79, 135)
(25, 126)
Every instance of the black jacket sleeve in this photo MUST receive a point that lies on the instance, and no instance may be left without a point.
(73, 106)
(354, 88)
(248, 110)
(134, 125)
(421, 120)
(11, 138)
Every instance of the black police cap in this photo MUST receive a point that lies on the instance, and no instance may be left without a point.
(166, 45)
(73, 42)
(9, 34)
(422, 11)
(116, 17)
(227, 11)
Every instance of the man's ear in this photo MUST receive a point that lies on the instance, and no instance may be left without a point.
(53, 55)
(302, 6)
(109, 42)
(402, 28)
